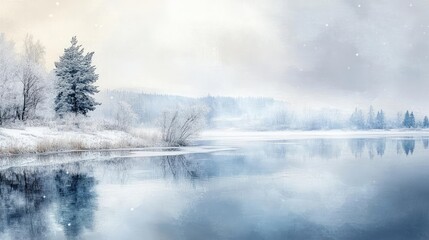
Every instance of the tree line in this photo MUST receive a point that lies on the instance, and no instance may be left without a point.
(378, 120)
(29, 91)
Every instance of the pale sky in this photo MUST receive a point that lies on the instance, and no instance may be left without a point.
(322, 53)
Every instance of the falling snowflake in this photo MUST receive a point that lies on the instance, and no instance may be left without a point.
(357, 54)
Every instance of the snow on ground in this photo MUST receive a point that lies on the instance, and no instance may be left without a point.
(45, 139)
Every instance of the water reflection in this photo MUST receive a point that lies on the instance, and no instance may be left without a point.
(29, 197)
(295, 189)
(76, 202)
(179, 167)
(425, 143)
(357, 146)
(408, 145)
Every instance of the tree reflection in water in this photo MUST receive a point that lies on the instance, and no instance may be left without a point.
(76, 200)
(425, 143)
(29, 197)
(408, 145)
(374, 146)
(22, 203)
(179, 167)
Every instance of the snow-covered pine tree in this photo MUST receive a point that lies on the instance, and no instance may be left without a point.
(426, 122)
(379, 120)
(371, 119)
(406, 121)
(75, 84)
(412, 120)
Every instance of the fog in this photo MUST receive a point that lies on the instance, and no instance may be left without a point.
(334, 53)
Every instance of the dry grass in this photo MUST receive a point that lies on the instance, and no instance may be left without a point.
(70, 141)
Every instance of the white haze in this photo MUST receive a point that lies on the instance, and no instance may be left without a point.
(333, 53)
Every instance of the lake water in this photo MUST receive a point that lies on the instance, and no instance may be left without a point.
(374, 188)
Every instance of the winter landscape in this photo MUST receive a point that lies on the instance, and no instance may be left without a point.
(211, 119)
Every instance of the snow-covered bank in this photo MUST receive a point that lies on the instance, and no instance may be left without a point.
(54, 159)
(48, 139)
(45, 139)
(236, 135)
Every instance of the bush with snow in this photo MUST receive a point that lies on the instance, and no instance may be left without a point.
(178, 126)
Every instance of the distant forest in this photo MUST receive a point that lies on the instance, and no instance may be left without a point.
(255, 113)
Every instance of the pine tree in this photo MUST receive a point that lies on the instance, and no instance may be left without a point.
(357, 119)
(406, 121)
(412, 120)
(76, 76)
(426, 122)
(379, 121)
(370, 121)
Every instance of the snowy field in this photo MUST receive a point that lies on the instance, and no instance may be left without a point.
(45, 139)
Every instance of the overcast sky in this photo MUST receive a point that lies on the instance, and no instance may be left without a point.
(332, 53)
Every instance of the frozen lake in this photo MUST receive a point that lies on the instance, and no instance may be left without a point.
(325, 188)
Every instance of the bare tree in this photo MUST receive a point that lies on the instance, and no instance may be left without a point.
(32, 77)
(9, 83)
(179, 125)
(125, 117)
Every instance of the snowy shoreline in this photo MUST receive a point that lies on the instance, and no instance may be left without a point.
(145, 142)
(93, 156)
(38, 140)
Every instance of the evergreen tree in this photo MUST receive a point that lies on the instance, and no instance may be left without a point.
(426, 122)
(379, 121)
(406, 121)
(412, 120)
(76, 76)
(357, 119)
(370, 121)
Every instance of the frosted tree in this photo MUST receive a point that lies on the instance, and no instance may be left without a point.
(9, 82)
(371, 120)
(406, 122)
(357, 119)
(412, 120)
(379, 120)
(125, 116)
(75, 84)
(426, 122)
(32, 77)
